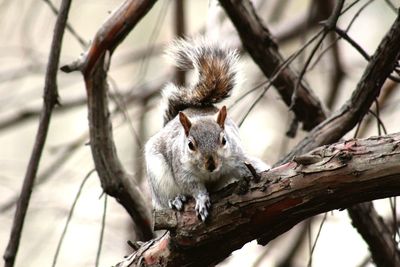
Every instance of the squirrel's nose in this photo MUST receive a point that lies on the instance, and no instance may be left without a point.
(210, 164)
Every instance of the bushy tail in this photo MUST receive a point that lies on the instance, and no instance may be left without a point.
(216, 68)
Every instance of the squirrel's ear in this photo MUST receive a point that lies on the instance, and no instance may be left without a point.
(185, 122)
(221, 117)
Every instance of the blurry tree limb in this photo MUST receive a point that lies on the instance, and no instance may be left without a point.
(50, 99)
(337, 73)
(180, 32)
(259, 43)
(330, 177)
(376, 233)
(94, 66)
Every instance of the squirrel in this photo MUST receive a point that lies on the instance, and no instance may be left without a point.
(198, 148)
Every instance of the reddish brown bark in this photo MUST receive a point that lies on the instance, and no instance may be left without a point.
(328, 178)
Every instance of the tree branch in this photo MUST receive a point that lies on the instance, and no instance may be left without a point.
(94, 66)
(328, 178)
(374, 230)
(259, 43)
(49, 101)
(340, 122)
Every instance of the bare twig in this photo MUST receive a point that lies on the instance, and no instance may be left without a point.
(353, 43)
(70, 213)
(316, 240)
(80, 40)
(50, 100)
(103, 226)
(329, 25)
(295, 245)
(337, 73)
(358, 105)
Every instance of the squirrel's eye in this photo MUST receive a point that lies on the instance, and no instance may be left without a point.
(191, 145)
(223, 141)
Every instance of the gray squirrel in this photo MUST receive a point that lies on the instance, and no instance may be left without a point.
(198, 148)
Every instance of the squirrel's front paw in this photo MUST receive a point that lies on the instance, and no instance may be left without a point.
(202, 205)
(177, 202)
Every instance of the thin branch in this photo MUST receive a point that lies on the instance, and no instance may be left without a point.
(337, 73)
(67, 222)
(339, 123)
(259, 43)
(71, 30)
(50, 100)
(354, 44)
(316, 240)
(103, 226)
(328, 26)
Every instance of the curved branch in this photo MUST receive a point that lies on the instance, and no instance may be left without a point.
(94, 66)
(328, 178)
(114, 179)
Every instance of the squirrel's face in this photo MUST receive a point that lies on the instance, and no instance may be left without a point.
(205, 142)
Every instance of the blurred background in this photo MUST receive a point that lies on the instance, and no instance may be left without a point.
(138, 72)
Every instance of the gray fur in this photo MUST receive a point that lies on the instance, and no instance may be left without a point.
(177, 169)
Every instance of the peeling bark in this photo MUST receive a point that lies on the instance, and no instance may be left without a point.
(329, 177)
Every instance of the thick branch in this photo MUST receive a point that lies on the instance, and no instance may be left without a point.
(259, 43)
(114, 179)
(328, 178)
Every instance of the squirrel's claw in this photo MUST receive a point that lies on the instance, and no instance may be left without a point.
(177, 202)
(202, 205)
